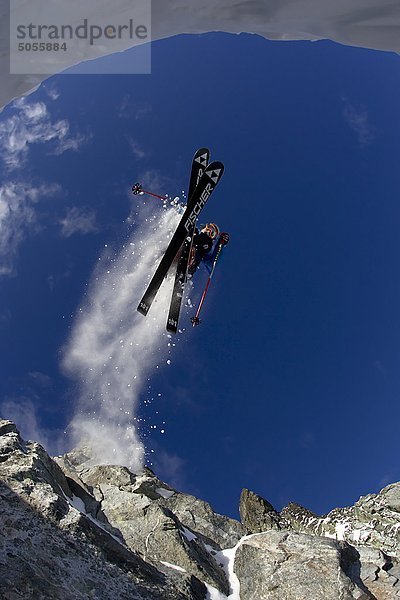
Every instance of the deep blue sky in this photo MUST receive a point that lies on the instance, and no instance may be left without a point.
(290, 387)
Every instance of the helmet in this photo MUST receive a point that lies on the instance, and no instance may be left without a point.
(212, 230)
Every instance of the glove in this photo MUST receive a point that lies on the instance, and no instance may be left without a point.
(224, 238)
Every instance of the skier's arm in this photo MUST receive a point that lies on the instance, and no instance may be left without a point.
(208, 259)
(222, 241)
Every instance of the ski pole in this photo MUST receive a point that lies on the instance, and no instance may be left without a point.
(137, 188)
(196, 319)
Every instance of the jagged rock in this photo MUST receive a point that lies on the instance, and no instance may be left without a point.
(294, 517)
(390, 497)
(79, 489)
(372, 520)
(379, 573)
(74, 530)
(51, 549)
(34, 476)
(40, 560)
(148, 514)
(280, 565)
(216, 530)
(8, 427)
(256, 513)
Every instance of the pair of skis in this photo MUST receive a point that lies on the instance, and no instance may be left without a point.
(204, 178)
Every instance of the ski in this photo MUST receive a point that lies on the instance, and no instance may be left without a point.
(200, 162)
(179, 284)
(208, 182)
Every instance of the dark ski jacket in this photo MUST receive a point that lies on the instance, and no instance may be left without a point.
(205, 249)
(202, 246)
(202, 243)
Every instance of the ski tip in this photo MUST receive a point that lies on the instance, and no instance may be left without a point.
(143, 309)
(214, 171)
(202, 151)
(202, 157)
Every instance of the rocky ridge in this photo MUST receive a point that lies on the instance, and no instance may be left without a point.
(72, 530)
(374, 520)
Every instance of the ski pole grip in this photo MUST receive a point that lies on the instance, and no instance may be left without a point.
(224, 238)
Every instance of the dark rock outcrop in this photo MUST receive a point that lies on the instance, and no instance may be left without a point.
(257, 514)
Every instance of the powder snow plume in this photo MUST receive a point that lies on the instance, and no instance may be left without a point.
(113, 349)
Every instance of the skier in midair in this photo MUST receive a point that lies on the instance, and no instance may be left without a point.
(205, 245)
(204, 177)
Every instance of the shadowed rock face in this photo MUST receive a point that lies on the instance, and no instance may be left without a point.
(256, 513)
(72, 530)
